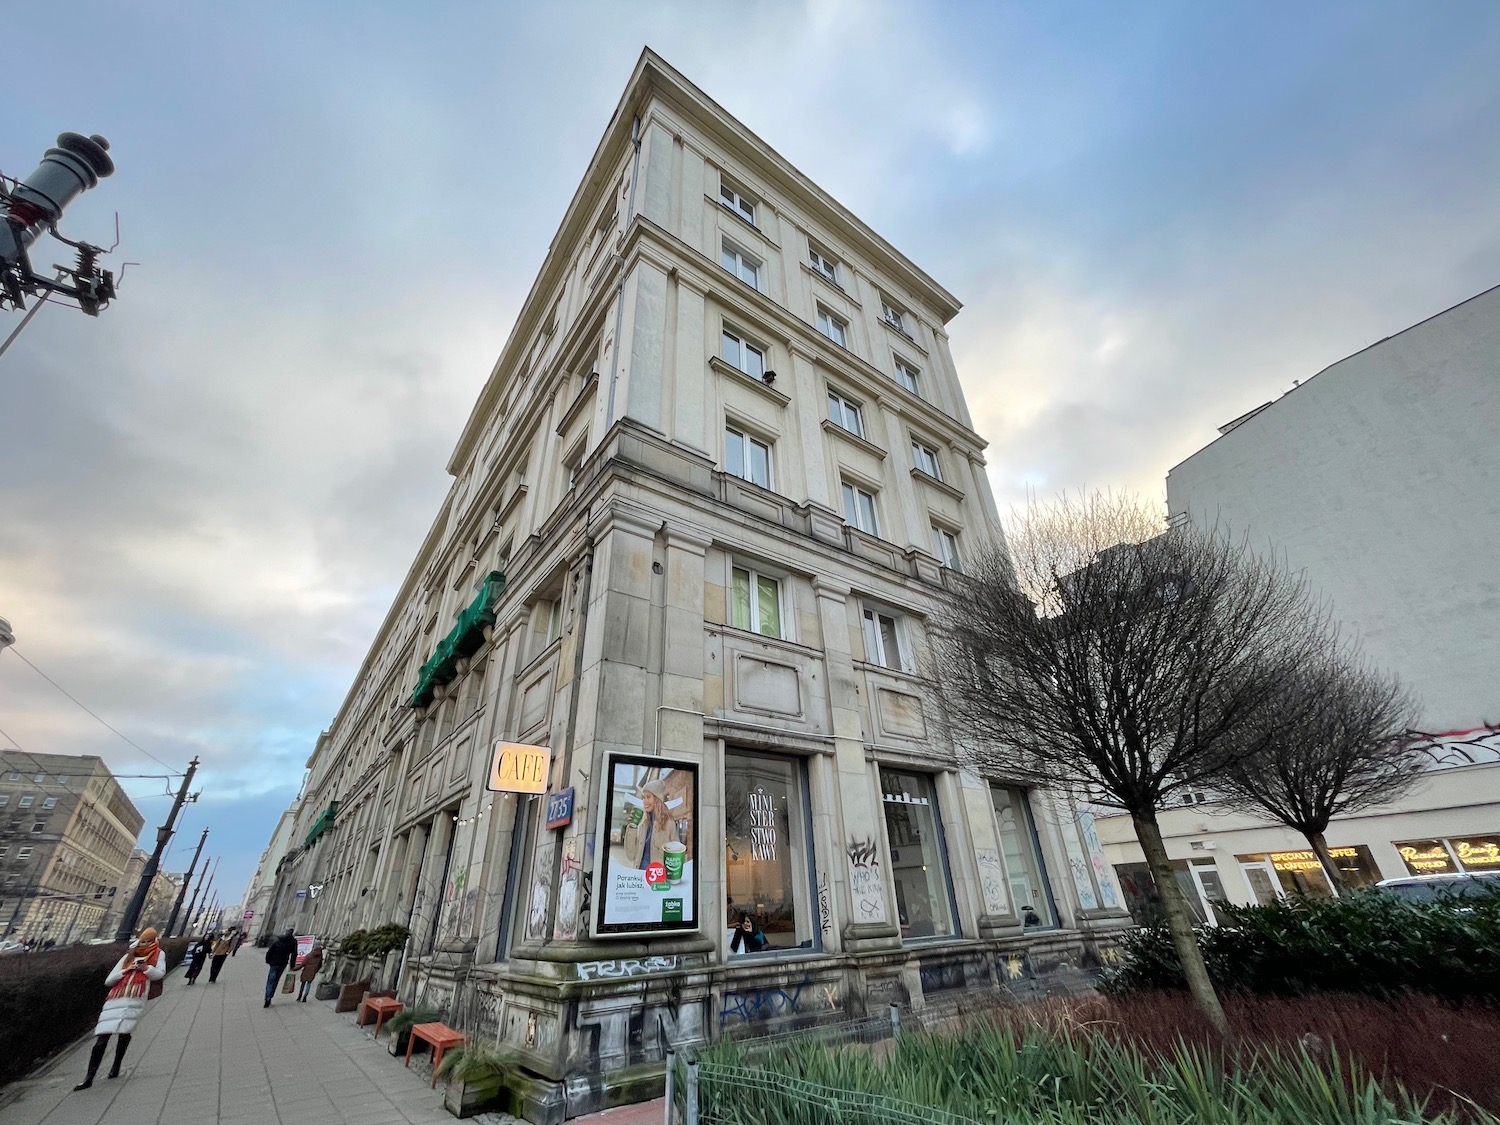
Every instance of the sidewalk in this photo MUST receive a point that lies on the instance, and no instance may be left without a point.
(212, 1054)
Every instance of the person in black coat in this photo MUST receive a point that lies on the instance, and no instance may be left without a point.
(281, 953)
(197, 956)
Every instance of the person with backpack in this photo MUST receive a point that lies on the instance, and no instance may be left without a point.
(281, 954)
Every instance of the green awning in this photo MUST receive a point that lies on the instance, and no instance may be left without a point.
(463, 639)
(322, 824)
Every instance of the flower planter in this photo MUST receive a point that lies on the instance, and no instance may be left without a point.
(327, 990)
(465, 1099)
(351, 995)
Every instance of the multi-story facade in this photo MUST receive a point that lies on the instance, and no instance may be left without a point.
(719, 473)
(262, 887)
(66, 833)
(1380, 477)
(160, 896)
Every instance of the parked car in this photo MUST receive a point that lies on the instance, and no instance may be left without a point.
(12, 947)
(1435, 888)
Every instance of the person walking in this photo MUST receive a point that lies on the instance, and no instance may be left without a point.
(239, 938)
(130, 986)
(218, 955)
(197, 954)
(310, 966)
(281, 953)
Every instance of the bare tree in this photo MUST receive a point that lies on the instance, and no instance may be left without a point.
(1107, 654)
(1336, 743)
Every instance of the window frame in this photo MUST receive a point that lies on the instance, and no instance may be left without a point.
(26, 802)
(737, 202)
(748, 438)
(49, 802)
(922, 452)
(944, 538)
(754, 576)
(850, 495)
(24, 853)
(846, 406)
(822, 264)
(743, 344)
(804, 882)
(728, 248)
(871, 615)
(909, 376)
(894, 315)
(934, 803)
(826, 320)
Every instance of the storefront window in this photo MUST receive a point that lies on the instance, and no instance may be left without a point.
(1030, 893)
(766, 855)
(1300, 873)
(1451, 855)
(919, 864)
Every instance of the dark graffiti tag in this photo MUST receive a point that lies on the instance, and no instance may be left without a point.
(755, 1004)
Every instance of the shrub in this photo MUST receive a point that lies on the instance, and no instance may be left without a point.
(359, 944)
(1368, 942)
(476, 1062)
(407, 1018)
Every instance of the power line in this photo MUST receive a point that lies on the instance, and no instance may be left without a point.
(75, 699)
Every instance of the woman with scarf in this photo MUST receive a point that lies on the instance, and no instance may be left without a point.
(129, 988)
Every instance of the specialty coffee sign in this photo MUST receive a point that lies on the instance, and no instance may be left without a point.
(518, 768)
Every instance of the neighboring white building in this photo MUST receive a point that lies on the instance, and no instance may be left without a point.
(260, 891)
(699, 512)
(1381, 477)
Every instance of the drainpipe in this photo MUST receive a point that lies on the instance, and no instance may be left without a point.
(614, 359)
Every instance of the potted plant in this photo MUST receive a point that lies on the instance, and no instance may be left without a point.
(403, 1021)
(475, 1074)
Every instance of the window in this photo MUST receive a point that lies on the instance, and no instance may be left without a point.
(573, 462)
(833, 327)
(1449, 856)
(1030, 893)
(736, 202)
(50, 803)
(742, 265)
(552, 615)
(893, 316)
(907, 375)
(882, 639)
(859, 508)
(925, 458)
(38, 826)
(919, 862)
(846, 413)
(767, 856)
(755, 602)
(746, 457)
(740, 352)
(947, 548)
(4, 850)
(39, 778)
(23, 853)
(4, 799)
(25, 802)
(62, 779)
(14, 776)
(821, 262)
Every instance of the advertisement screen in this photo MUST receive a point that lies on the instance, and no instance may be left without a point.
(649, 875)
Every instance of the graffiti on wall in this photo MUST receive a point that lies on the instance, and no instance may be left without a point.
(571, 872)
(825, 906)
(752, 1005)
(1450, 748)
(625, 967)
(1103, 876)
(1078, 867)
(992, 881)
(865, 884)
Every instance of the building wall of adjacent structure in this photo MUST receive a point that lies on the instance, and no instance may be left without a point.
(61, 866)
(593, 472)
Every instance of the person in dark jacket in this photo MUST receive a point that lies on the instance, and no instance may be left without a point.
(281, 953)
(197, 955)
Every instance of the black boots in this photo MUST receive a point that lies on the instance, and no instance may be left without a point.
(122, 1043)
(96, 1056)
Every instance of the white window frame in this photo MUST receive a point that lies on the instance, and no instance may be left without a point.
(24, 853)
(755, 577)
(737, 202)
(4, 800)
(39, 778)
(946, 543)
(745, 469)
(855, 512)
(25, 802)
(925, 458)
(877, 642)
(746, 267)
(827, 267)
(828, 322)
(841, 409)
(743, 348)
(894, 316)
(50, 803)
(909, 375)
(14, 776)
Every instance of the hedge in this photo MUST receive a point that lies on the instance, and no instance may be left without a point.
(1367, 942)
(49, 999)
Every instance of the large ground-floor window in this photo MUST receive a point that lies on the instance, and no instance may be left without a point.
(1031, 895)
(1273, 874)
(919, 862)
(1449, 855)
(767, 856)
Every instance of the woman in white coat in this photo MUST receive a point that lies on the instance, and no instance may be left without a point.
(129, 988)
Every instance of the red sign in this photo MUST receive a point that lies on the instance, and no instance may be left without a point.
(656, 873)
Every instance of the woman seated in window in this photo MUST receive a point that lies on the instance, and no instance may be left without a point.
(748, 936)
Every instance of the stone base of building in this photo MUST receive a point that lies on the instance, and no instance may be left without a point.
(594, 1034)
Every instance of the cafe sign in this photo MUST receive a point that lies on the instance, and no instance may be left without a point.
(1307, 860)
(518, 768)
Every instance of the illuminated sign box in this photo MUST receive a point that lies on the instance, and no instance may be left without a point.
(518, 768)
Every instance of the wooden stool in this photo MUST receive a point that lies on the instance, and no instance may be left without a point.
(440, 1036)
(379, 1007)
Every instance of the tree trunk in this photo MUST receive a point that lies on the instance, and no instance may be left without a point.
(1179, 922)
(1320, 849)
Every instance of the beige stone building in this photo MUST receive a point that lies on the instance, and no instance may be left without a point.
(698, 513)
(66, 833)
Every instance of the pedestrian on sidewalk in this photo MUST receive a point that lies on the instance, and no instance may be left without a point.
(220, 952)
(282, 950)
(239, 939)
(197, 954)
(310, 966)
(131, 985)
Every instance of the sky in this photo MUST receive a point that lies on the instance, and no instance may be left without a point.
(1157, 216)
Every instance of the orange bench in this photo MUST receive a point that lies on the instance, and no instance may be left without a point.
(440, 1036)
(378, 1007)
